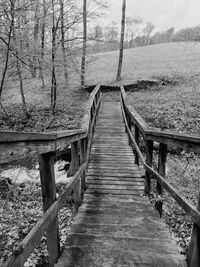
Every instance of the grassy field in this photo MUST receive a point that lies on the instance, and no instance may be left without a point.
(148, 62)
(152, 62)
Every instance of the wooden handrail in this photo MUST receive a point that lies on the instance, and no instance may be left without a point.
(131, 118)
(172, 138)
(27, 245)
(17, 145)
(182, 201)
(20, 145)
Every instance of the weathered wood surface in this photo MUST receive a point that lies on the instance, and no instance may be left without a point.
(116, 225)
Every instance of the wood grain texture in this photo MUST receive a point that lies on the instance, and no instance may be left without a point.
(116, 225)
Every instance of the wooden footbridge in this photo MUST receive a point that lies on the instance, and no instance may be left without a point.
(115, 224)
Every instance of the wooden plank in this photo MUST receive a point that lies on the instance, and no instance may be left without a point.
(6, 137)
(116, 168)
(115, 192)
(115, 187)
(113, 173)
(136, 177)
(188, 142)
(22, 149)
(115, 182)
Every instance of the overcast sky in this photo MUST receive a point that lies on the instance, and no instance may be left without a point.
(162, 13)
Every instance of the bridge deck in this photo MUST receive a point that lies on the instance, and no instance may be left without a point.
(116, 225)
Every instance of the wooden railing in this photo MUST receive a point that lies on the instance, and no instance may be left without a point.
(15, 146)
(135, 127)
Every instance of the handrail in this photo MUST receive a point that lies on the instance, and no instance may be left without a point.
(43, 144)
(164, 138)
(182, 201)
(24, 249)
(17, 145)
(171, 138)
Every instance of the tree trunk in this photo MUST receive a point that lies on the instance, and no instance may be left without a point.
(84, 43)
(19, 73)
(35, 35)
(53, 54)
(41, 62)
(63, 42)
(121, 42)
(12, 6)
(18, 47)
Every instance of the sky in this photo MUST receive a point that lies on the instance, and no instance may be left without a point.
(162, 13)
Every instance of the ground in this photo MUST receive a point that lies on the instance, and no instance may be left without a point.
(172, 104)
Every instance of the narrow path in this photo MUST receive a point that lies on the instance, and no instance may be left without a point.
(116, 225)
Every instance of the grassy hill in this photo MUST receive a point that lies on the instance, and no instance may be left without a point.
(146, 62)
(157, 61)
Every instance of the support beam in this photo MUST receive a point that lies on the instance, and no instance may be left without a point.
(149, 158)
(161, 165)
(47, 178)
(137, 140)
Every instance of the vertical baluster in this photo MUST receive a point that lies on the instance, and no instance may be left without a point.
(149, 159)
(77, 196)
(47, 177)
(82, 160)
(75, 159)
(161, 165)
(137, 140)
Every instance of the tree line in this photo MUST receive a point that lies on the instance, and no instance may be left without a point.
(138, 33)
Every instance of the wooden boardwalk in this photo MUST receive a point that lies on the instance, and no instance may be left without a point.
(116, 225)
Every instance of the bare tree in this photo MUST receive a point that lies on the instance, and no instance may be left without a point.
(12, 6)
(84, 43)
(121, 41)
(41, 61)
(18, 41)
(62, 28)
(132, 28)
(147, 31)
(53, 55)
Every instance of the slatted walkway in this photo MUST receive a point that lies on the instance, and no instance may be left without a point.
(116, 225)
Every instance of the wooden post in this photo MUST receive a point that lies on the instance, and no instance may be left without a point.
(137, 140)
(75, 159)
(161, 165)
(47, 178)
(193, 256)
(149, 158)
(82, 152)
(77, 197)
(82, 160)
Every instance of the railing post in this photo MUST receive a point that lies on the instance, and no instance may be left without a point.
(75, 159)
(149, 158)
(47, 178)
(161, 165)
(83, 150)
(193, 256)
(137, 140)
(77, 197)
